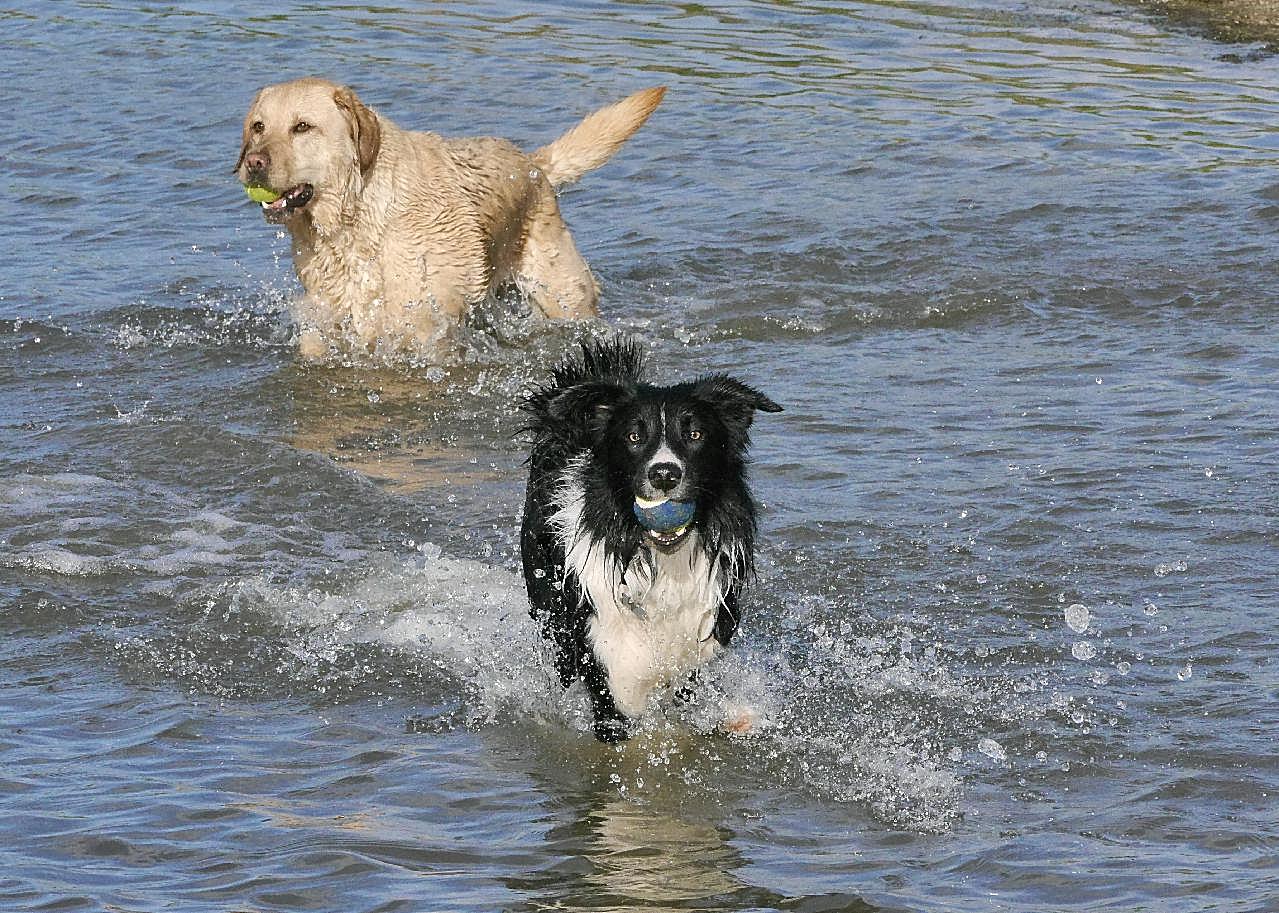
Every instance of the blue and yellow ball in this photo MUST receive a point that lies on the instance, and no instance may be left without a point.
(664, 516)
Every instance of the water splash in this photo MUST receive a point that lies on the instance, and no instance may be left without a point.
(1077, 617)
(1083, 651)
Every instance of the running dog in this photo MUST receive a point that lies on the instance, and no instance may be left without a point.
(639, 528)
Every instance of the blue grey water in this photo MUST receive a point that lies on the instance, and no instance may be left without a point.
(1009, 266)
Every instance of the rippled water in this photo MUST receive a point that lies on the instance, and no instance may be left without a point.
(1009, 267)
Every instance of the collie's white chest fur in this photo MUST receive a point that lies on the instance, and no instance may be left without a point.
(652, 630)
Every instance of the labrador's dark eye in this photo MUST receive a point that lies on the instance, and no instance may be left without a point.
(301, 127)
(258, 126)
(634, 437)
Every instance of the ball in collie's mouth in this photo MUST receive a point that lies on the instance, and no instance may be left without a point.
(285, 204)
(665, 522)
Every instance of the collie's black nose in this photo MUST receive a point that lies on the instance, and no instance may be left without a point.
(664, 476)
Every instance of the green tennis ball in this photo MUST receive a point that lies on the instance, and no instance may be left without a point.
(261, 194)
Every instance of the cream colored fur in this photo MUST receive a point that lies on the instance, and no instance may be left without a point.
(406, 230)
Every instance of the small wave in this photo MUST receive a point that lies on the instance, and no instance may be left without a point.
(215, 319)
(161, 561)
(34, 335)
(57, 561)
(57, 525)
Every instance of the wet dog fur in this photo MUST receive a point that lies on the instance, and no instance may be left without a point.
(630, 612)
(397, 233)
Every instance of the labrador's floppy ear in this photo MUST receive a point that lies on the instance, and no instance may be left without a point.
(244, 135)
(735, 401)
(365, 129)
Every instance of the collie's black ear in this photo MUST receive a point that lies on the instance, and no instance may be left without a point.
(735, 401)
(586, 405)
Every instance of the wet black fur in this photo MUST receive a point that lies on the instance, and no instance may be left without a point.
(586, 408)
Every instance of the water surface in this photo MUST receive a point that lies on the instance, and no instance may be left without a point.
(1007, 265)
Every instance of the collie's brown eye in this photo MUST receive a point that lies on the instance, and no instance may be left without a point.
(301, 127)
(633, 437)
(258, 126)
(695, 435)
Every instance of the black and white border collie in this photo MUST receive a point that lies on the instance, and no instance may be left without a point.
(639, 528)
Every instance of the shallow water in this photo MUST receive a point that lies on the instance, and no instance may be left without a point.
(1007, 265)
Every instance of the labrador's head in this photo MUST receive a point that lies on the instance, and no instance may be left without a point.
(305, 140)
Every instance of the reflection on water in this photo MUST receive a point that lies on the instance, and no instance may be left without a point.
(656, 859)
(393, 426)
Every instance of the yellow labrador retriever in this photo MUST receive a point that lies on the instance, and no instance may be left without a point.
(395, 233)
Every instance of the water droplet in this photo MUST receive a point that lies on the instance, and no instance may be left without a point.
(1151, 609)
(1184, 673)
(1077, 617)
(374, 398)
(1083, 650)
(1123, 668)
(992, 749)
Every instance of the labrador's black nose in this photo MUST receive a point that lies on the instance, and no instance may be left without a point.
(257, 163)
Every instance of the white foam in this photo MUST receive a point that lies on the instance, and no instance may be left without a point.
(34, 492)
(56, 561)
(464, 617)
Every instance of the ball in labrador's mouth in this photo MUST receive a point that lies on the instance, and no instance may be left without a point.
(664, 516)
(261, 194)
